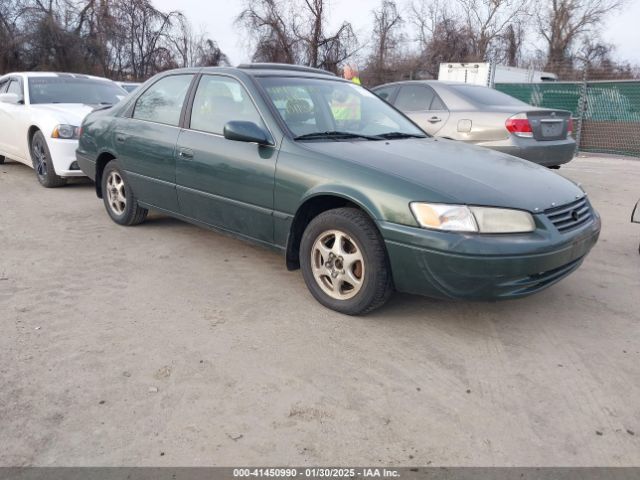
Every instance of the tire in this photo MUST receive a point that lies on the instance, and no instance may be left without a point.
(1, 159)
(554, 167)
(42, 164)
(332, 270)
(119, 199)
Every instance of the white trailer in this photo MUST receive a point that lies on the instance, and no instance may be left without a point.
(488, 74)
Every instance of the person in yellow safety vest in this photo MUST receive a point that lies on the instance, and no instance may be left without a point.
(344, 106)
(350, 73)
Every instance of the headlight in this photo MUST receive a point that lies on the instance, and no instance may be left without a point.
(502, 220)
(460, 218)
(66, 131)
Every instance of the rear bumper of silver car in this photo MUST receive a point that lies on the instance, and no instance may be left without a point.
(547, 153)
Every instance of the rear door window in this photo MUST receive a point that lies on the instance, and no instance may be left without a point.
(414, 98)
(163, 101)
(385, 93)
(437, 104)
(219, 100)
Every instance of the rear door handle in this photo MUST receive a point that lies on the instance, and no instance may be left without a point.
(434, 120)
(186, 153)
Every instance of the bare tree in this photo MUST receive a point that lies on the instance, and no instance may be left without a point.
(488, 20)
(319, 48)
(442, 35)
(146, 30)
(449, 43)
(296, 32)
(119, 39)
(562, 22)
(274, 37)
(315, 36)
(425, 16)
(386, 38)
(10, 35)
(209, 54)
(510, 45)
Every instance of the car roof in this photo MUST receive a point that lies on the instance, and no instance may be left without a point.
(57, 74)
(449, 83)
(265, 70)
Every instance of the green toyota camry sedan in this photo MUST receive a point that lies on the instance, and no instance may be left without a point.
(345, 186)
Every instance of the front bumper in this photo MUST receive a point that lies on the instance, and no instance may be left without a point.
(63, 156)
(546, 153)
(484, 267)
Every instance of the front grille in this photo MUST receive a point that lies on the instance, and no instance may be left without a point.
(570, 216)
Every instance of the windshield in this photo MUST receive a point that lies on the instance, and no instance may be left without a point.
(486, 96)
(73, 90)
(317, 109)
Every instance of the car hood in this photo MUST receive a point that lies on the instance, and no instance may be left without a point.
(454, 172)
(67, 113)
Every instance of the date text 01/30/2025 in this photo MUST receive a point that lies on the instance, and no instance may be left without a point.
(315, 473)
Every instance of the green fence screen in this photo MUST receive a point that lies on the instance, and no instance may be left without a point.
(607, 113)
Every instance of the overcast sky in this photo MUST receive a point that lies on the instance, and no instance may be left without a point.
(216, 17)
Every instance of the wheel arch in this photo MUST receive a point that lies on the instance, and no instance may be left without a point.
(101, 162)
(313, 205)
(31, 131)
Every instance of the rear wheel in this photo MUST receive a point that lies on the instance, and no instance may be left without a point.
(344, 262)
(119, 199)
(42, 164)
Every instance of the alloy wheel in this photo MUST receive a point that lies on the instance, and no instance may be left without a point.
(116, 193)
(338, 264)
(40, 158)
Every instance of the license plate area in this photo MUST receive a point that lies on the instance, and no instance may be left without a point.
(551, 129)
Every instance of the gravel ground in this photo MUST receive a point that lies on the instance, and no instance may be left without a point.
(166, 344)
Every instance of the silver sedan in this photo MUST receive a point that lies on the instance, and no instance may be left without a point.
(485, 117)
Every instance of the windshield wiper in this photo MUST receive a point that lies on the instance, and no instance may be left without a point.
(393, 135)
(335, 134)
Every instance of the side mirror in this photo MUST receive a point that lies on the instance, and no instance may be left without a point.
(10, 98)
(635, 215)
(246, 132)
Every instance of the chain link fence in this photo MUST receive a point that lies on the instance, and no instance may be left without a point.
(606, 113)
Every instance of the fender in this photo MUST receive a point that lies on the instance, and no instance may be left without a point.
(328, 196)
(346, 192)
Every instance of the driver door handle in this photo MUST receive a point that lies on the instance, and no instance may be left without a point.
(434, 119)
(185, 153)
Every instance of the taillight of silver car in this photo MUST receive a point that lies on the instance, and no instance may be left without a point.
(519, 125)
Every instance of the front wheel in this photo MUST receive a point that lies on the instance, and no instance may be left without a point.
(119, 199)
(344, 262)
(42, 164)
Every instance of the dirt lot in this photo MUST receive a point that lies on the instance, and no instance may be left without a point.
(166, 344)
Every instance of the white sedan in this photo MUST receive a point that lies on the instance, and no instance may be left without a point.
(40, 118)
